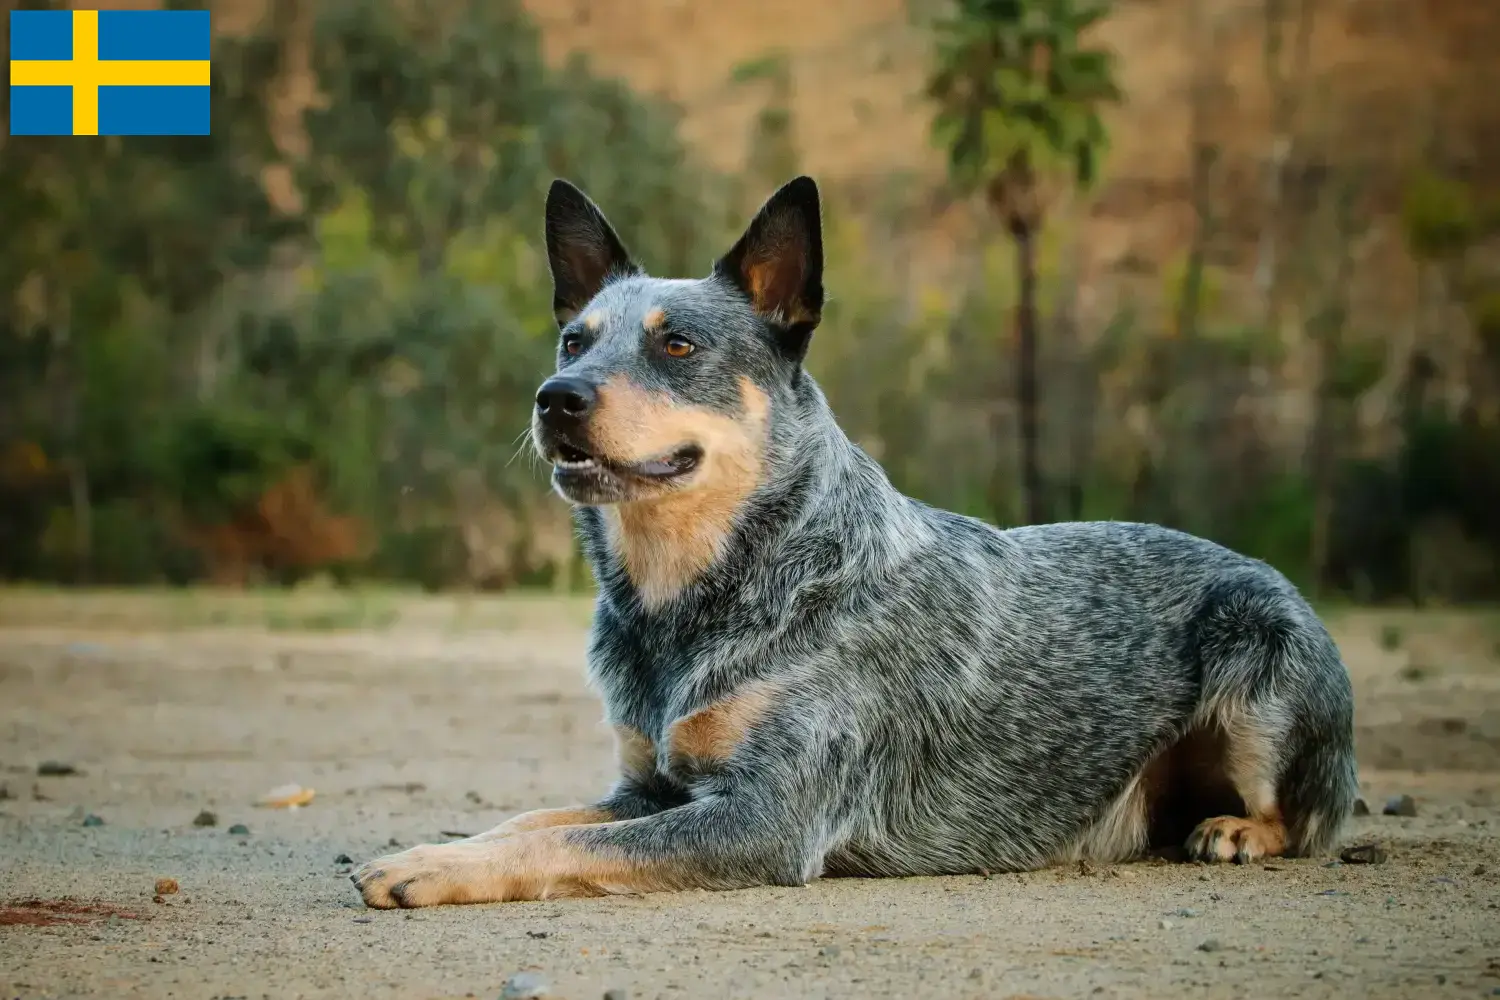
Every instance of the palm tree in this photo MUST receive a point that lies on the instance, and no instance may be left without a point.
(1018, 99)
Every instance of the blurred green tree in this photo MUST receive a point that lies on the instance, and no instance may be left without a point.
(1018, 95)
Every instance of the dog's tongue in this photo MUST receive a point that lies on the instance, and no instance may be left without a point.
(658, 467)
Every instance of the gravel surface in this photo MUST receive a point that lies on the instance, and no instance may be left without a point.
(427, 726)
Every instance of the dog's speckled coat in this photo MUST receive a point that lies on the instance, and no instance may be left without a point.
(812, 674)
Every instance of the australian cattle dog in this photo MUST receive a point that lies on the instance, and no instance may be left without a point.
(810, 674)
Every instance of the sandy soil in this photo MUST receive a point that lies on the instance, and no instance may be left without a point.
(443, 718)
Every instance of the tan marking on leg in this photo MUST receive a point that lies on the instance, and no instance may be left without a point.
(540, 819)
(634, 752)
(1251, 746)
(713, 733)
(594, 320)
(540, 864)
(666, 542)
(653, 319)
(1233, 838)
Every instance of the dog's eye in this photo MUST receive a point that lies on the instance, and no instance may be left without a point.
(678, 347)
(572, 346)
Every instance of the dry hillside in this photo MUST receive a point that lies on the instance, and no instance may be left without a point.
(1379, 84)
(1376, 81)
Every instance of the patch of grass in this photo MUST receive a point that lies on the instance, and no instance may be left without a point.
(357, 615)
(1391, 637)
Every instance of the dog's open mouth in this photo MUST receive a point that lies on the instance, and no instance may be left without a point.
(571, 460)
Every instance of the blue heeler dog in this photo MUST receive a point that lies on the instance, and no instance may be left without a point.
(812, 674)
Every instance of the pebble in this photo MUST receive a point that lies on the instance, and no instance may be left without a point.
(524, 986)
(1400, 805)
(166, 886)
(832, 951)
(239, 830)
(616, 995)
(1364, 854)
(1361, 807)
(56, 769)
(976, 973)
(5, 793)
(1480, 869)
(206, 818)
(343, 859)
(1210, 944)
(1165, 925)
(1185, 912)
(92, 820)
(291, 796)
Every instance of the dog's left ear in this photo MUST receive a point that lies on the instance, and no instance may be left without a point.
(778, 264)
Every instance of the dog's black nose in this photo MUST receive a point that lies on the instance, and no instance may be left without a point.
(565, 400)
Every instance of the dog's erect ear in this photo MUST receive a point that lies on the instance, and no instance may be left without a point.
(582, 249)
(778, 264)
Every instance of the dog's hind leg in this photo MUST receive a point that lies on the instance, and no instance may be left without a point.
(1250, 765)
(1276, 692)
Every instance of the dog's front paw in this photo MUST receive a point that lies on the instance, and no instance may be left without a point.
(425, 875)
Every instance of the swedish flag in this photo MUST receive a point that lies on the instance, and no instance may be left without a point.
(113, 72)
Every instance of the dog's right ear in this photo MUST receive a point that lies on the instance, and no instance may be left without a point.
(582, 249)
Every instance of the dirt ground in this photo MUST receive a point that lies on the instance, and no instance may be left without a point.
(412, 717)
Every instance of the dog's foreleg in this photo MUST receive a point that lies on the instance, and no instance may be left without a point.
(717, 842)
(541, 819)
(637, 793)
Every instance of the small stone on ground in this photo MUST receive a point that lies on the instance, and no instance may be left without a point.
(1400, 805)
(524, 986)
(56, 769)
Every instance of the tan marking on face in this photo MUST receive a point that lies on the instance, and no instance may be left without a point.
(653, 319)
(594, 320)
(714, 732)
(540, 819)
(635, 752)
(539, 864)
(666, 541)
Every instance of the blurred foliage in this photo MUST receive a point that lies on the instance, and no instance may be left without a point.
(1019, 93)
(201, 382)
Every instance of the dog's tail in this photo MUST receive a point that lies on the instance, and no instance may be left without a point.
(1275, 686)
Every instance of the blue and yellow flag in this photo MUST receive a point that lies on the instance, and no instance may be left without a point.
(113, 72)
